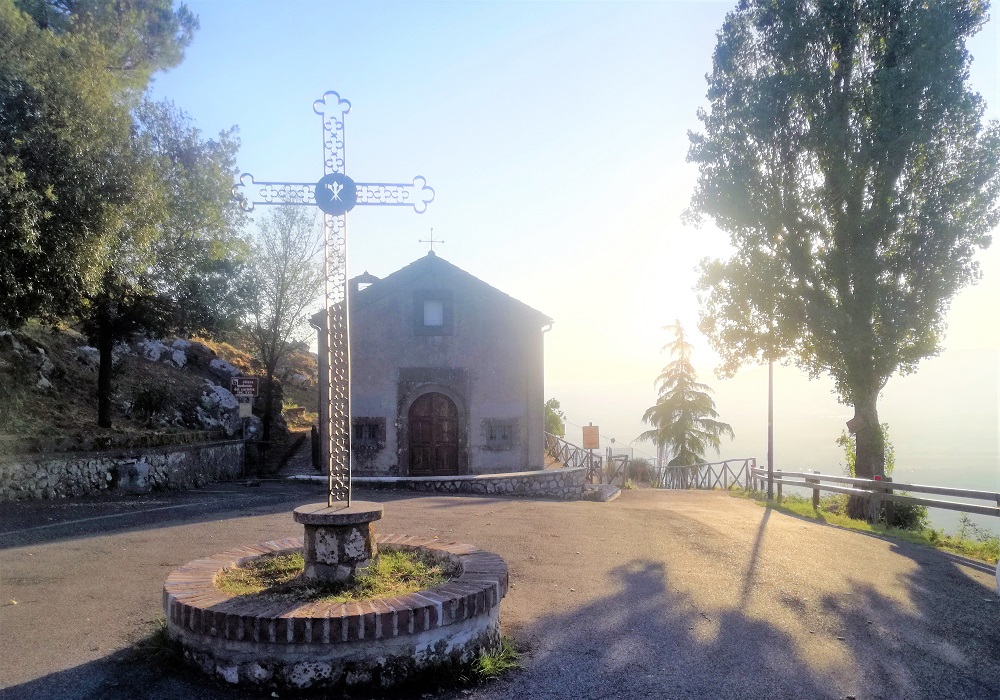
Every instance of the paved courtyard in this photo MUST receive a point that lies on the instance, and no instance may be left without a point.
(653, 595)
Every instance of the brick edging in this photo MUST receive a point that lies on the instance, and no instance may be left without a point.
(192, 604)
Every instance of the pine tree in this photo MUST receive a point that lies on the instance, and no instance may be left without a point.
(683, 419)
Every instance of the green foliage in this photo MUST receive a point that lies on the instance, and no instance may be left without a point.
(111, 207)
(847, 158)
(150, 398)
(490, 666)
(640, 469)
(833, 511)
(285, 279)
(72, 190)
(158, 648)
(684, 416)
(906, 516)
(554, 418)
(848, 442)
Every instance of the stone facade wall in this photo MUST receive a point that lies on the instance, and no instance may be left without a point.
(135, 470)
(563, 484)
(486, 357)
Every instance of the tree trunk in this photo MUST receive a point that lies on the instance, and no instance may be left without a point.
(268, 417)
(105, 345)
(869, 460)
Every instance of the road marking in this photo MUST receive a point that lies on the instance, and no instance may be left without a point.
(100, 517)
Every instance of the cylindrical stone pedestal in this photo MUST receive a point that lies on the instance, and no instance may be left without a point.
(339, 542)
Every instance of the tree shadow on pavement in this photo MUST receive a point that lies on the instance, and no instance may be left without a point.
(649, 641)
(937, 639)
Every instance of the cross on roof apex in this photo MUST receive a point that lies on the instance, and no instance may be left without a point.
(431, 241)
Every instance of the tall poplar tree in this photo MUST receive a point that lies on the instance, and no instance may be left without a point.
(848, 159)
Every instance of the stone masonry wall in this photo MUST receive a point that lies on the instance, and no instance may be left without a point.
(563, 484)
(136, 470)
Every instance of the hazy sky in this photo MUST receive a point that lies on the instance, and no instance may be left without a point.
(555, 136)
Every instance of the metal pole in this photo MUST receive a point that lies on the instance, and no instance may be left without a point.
(349, 430)
(770, 429)
(327, 232)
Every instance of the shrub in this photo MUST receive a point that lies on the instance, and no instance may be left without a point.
(148, 399)
(641, 470)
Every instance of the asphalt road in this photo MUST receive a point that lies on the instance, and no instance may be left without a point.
(654, 595)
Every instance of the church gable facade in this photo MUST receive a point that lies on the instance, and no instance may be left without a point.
(446, 375)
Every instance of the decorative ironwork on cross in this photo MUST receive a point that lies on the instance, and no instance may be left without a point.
(335, 194)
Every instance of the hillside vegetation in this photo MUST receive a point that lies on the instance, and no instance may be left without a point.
(49, 380)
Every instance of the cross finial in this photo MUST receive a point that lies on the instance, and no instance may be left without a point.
(431, 241)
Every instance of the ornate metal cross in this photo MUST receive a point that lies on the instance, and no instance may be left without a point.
(335, 194)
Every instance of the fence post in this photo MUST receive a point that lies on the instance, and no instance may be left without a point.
(875, 501)
(815, 491)
(725, 475)
(890, 506)
(777, 474)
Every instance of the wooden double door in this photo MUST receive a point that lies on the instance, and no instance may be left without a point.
(433, 423)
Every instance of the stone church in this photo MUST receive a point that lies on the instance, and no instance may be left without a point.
(447, 374)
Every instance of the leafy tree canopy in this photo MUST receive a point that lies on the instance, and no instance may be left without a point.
(848, 160)
(285, 280)
(555, 420)
(683, 419)
(72, 188)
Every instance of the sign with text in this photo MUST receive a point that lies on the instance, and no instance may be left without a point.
(591, 437)
(243, 386)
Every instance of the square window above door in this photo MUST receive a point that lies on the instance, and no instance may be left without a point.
(433, 312)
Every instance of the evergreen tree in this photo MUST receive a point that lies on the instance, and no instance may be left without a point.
(683, 419)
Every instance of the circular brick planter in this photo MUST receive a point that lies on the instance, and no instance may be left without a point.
(335, 645)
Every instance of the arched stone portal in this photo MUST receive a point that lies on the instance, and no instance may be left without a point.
(433, 429)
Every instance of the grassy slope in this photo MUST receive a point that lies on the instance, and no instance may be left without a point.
(980, 546)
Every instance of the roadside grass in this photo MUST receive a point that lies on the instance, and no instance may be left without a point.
(279, 577)
(971, 542)
(485, 668)
(490, 666)
(158, 648)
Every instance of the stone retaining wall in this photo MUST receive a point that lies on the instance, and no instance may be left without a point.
(135, 470)
(564, 484)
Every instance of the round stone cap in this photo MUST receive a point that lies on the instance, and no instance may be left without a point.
(338, 514)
